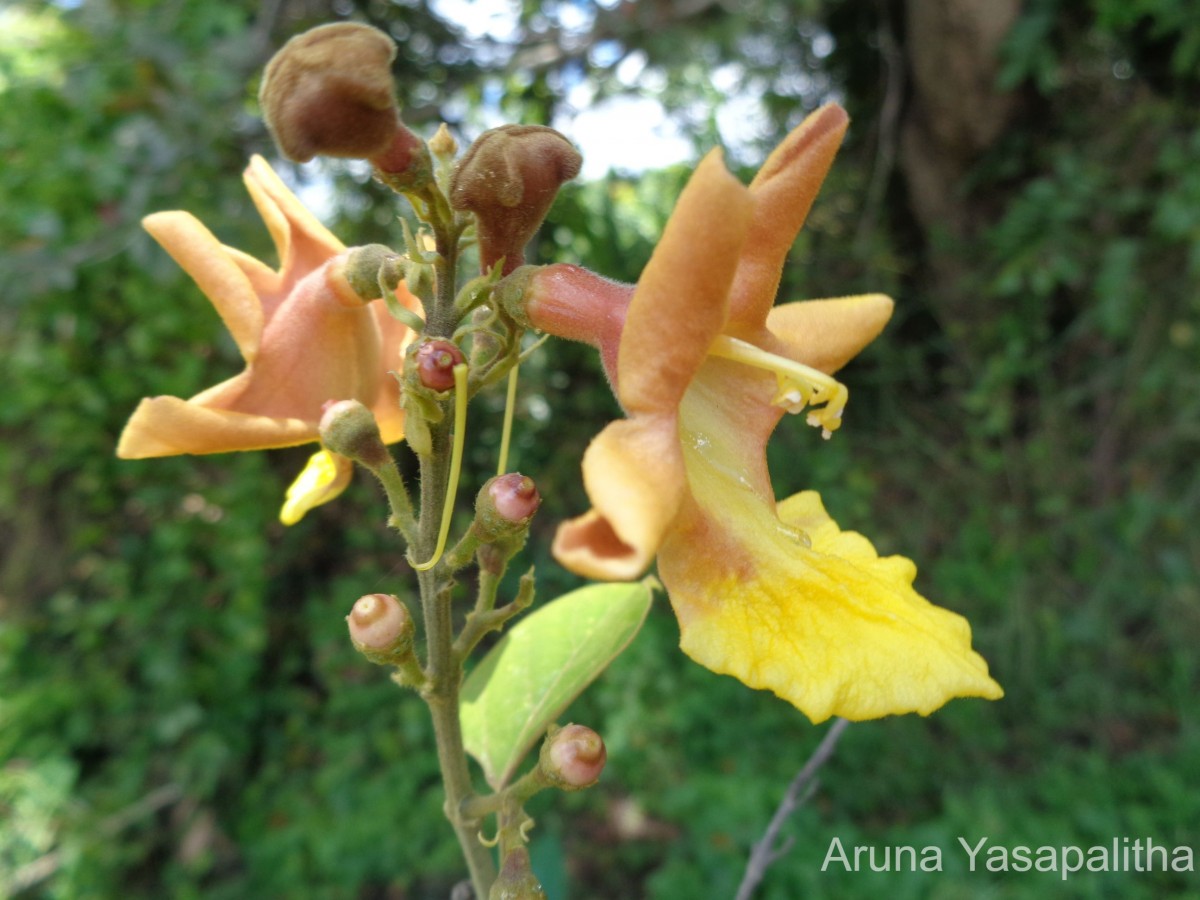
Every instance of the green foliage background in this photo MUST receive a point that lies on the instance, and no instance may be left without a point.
(180, 713)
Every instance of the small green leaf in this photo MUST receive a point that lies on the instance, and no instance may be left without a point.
(540, 666)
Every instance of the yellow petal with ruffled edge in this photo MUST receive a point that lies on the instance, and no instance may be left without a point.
(782, 599)
(832, 628)
(323, 478)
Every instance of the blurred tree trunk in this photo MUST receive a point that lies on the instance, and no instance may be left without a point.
(953, 115)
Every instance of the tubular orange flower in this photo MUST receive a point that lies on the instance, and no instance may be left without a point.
(775, 595)
(306, 337)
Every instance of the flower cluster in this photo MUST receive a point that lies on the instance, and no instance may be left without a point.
(701, 359)
(359, 349)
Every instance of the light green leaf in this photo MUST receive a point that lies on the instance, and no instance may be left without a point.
(540, 666)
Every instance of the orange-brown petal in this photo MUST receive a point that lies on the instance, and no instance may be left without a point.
(168, 426)
(222, 280)
(633, 473)
(394, 337)
(302, 242)
(783, 193)
(322, 344)
(681, 299)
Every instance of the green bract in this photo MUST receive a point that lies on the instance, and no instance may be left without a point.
(540, 666)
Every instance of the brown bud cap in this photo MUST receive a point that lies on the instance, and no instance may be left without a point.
(573, 757)
(508, 178)
(381, 629)
(329, 91)
(435, 364)
(516, 880)
(348, 428)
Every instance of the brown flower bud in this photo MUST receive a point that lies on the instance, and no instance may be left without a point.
(435, 364)
(348, 428)
(508, 179)
(329, 91)
(381, 629)
(573, 757)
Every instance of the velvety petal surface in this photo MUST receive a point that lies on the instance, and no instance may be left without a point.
(322, 344)
(394, 338)
(168, 426)
(301, 241)
(681, 300)
(219, 277)
(827, 334)
(783, 192)
(633, 472)
(305, 336)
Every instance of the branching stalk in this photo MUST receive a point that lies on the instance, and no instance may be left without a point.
(443, 668)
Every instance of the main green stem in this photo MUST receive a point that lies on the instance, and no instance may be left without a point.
(443, 669)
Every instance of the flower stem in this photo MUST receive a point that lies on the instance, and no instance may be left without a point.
(443, 667)
(443, 670)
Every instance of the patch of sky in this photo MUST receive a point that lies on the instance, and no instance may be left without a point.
(493, 19)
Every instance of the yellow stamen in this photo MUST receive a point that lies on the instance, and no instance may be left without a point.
(456, 454)
(510, 403)
(800, 386)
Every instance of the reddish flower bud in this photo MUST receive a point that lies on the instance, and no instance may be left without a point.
(435, 364)
(508, 179)
(329, 91)
(349, 429)
(573, 757)
(503, 508)
(381, 629)
(514, 497)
